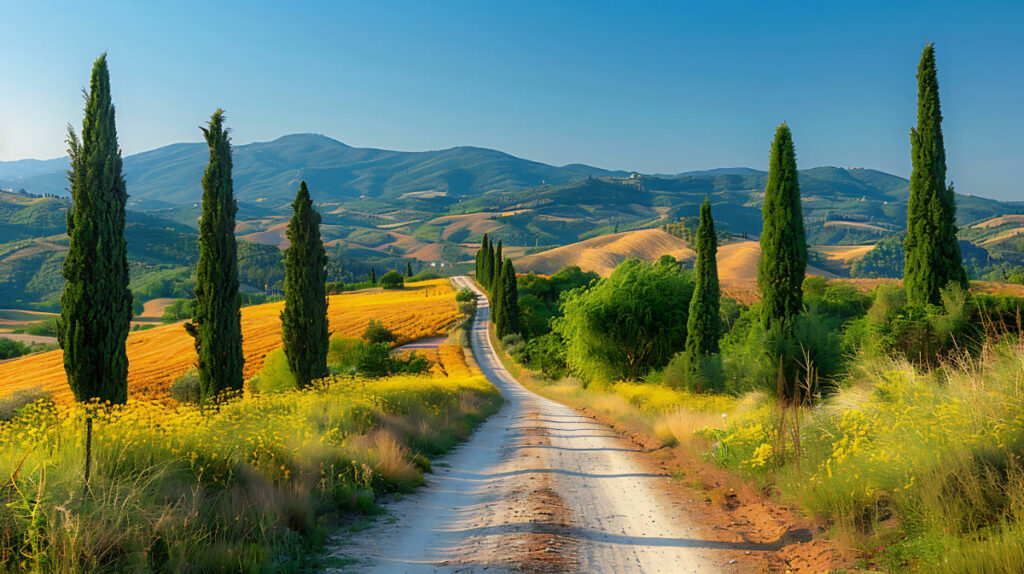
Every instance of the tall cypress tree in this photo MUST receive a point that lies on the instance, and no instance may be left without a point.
(509, 295)
(304, 319)
(780, 273)
(96, 304)
(216, 320)
(932, 255)
(488, 266)
(499, 259)
(373, 275)
(703, 326)
(480, 258)
(408, 269)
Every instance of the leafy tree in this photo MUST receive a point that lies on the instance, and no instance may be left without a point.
(508, 311)
(703, 327)
(780, 273)
(96, 304)
(392, 280)
(932, 254)
(304, 319)
(216, 321)
(628, 324)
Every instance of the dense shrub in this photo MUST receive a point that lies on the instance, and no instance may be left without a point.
(185, 389)
(465, 295)
(376, 332)
(392, 280)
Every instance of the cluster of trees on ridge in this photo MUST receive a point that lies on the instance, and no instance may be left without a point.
(658, 320)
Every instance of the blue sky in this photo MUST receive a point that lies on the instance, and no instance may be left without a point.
(653, 87)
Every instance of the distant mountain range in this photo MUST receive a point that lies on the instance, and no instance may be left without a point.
(435, 205)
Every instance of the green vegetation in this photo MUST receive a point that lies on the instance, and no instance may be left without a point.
(506, 320)
(703, 325)
(216, 323)
(250, 484)
(392, 280)
(304, 319)
(96, 305)
(780, 272)
(629, 324)
(10, 349)
(932, 252)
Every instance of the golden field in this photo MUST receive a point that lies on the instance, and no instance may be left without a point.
(157, 356)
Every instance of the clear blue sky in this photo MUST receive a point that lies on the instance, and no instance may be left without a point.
(652, 87)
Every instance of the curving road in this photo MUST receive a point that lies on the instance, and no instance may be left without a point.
(537, 488)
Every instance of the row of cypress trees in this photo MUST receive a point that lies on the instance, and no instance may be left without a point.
(498, 276)
(96, 304)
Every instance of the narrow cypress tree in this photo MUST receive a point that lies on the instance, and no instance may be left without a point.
(509, 295)
(932, 255)
(408, 268)
(373, 275)
(96, 304)
(703, 326)
(496, 295)
(780, 273)
(304, 319)
(480, 257)
(488, 267)
(499, 259)
(216, 319)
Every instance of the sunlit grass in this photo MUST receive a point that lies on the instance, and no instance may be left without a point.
(244, 486)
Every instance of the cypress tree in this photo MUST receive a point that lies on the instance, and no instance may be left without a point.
(780, 273)
(373, 275)
(304, 319)
(488, 267)
(96, 304)
(408, 268)
(480, 257)
(216, 319)
(509, 307)
(703, 324)
(932, 255)
(498, 261)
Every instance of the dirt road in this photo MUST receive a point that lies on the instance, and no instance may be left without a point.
(538, 488)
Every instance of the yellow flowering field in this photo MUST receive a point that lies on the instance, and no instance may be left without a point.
(157, 356)
(924, 467)
(238, 486)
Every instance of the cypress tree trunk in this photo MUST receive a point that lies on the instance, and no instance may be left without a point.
(932, 255)
(96, 304)
(304, 319)
(216, 323)
(780, 273)
(703, 326)
(509, 301)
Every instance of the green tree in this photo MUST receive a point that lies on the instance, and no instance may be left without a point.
(216, 319)
(508, 321)
(780, 273)
(304, 319)
(932, 255)
(373, 275)
(392, 280)
(408, 268)
(703, 326)
(499, 259)
(481, 258)
(488, 266)
(624, 326)
(96, 304)
(496, 295)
